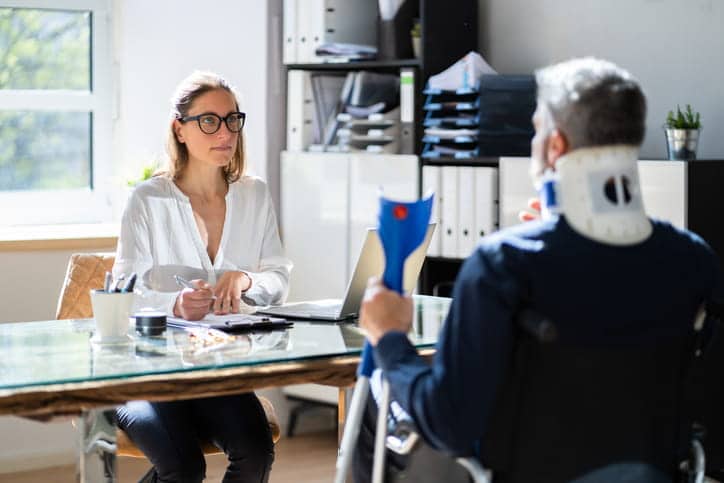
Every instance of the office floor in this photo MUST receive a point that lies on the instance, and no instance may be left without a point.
(305, 458)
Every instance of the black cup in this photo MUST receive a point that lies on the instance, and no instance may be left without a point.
(150, 323)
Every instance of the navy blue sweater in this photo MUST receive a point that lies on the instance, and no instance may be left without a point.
(595, 293)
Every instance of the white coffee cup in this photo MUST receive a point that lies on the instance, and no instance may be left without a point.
(111, 311)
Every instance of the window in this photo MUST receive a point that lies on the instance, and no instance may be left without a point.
(55, 111)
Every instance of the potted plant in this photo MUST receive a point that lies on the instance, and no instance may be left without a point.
(682, 133)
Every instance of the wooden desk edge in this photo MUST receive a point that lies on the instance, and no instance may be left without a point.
(74, 398)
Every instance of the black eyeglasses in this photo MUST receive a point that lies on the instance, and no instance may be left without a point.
(209, 122)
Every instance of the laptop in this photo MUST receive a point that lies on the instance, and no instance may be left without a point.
(371, 262)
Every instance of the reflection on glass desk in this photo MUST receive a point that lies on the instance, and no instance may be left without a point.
(55, 352)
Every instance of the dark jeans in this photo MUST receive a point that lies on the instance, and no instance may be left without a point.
(168, 433)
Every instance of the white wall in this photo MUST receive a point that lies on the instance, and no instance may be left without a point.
(674, 47)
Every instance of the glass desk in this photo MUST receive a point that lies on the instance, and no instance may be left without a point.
(51, 368)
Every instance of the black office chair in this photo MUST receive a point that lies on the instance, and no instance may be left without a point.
(575, 412)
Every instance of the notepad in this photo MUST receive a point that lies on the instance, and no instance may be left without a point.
(233, 322)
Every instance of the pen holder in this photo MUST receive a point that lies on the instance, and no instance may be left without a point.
(111, 311)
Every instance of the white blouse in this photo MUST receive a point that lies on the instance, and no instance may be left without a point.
(159, 239)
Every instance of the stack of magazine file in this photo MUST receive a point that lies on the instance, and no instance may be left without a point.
(374, 133)
(356, 112)
(451, 123)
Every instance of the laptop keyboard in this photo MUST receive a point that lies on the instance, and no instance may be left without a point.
(309, 309)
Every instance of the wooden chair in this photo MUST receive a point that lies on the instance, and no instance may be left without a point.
(86, 271)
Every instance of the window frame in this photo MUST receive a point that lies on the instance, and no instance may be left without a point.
(83, 205)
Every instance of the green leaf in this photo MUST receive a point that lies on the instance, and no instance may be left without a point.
(688, 119)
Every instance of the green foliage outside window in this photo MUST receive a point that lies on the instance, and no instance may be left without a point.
(44, 50)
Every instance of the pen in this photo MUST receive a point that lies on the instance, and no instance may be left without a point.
(107, 282)
(116, 286)
(130, 283)
(183, 282)
(187, 284)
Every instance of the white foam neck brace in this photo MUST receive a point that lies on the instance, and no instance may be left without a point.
(598, 191)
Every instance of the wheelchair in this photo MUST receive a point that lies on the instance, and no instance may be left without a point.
(581, 413)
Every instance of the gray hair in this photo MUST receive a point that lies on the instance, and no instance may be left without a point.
(593, 103)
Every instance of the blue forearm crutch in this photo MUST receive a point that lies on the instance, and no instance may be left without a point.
(402, 228)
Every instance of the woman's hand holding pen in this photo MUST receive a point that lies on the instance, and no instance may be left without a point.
(193, 302)
(228, 292)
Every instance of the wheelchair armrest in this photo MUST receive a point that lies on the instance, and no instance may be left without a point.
(699, 461)
(403, 440)
(694, 468)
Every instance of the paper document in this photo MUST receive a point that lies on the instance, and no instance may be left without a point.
(463, 74)
(364, 111)
(450, 133)
(351, 51)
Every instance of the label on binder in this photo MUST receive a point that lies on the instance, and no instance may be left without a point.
(407, 96)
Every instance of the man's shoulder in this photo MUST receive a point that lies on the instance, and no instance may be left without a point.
(668, 234)
(512, 249)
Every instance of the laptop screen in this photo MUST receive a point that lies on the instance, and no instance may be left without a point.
(371, 263)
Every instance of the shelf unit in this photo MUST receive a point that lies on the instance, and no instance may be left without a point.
(449, 30)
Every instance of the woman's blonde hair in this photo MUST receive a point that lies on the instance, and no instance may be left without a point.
(186, 93)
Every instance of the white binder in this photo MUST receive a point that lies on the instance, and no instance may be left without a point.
(289, 27)
(466, 211)
(300, 111)
(431, 182)
(449, 216)
(486, 201)
(311, 26)
(311, 23)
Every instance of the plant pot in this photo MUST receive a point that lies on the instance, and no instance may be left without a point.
(416, 47)
(682, 143)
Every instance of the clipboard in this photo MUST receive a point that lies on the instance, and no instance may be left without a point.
(233, 322)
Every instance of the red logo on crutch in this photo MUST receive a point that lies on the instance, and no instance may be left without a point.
(399, 212)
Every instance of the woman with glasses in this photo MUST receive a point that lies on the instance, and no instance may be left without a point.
(203, 220)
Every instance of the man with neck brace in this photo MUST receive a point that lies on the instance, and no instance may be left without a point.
(595, 264)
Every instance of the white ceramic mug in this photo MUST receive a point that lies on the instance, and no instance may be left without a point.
(111, 311)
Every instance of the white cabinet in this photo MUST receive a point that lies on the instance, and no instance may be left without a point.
(328, 200)
(664, 191)
(516, 188)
